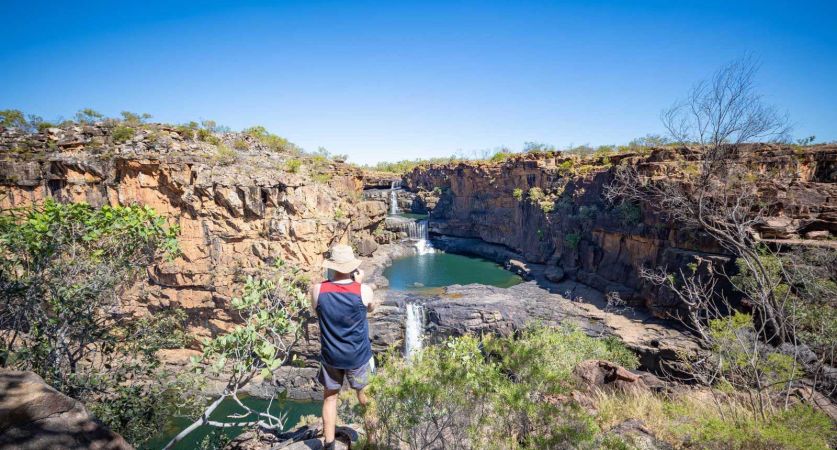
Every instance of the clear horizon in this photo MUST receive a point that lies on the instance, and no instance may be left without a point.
(389, 81)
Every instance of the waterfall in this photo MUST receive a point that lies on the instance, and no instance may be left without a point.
(393, 197)
(414, 329)
(416, 231)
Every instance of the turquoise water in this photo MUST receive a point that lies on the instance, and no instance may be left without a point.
(437, 270)
(294, 409)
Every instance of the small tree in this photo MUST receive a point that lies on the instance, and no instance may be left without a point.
(63, 269)
(272, 313)
(716, 193)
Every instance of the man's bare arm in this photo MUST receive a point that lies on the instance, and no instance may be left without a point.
(368, 297)
(315, 293)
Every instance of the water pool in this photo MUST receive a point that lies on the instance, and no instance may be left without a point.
(437, 270)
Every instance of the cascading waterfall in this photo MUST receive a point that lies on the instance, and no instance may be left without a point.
(414, 329)
(393, 197)
(417, 233)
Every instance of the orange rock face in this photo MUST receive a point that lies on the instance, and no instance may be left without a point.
(233, 216)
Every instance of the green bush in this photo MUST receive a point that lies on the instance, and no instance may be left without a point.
(122, 134)
(240, 144)
(490, 392)
(88, 116)
(293, 165)
(134, 119)
(536, 194)
(224, 155)
(12, 118)
(572, 240)
(629, 213)
(272, 141)
(63, 268)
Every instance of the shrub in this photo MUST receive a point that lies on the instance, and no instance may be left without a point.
(272, 141)
(293, 165)
(500, 156)
(122, 134)
(321, 177)
(518, 194)
(88, 116)
(134, 119)
(63, 268)
(206, 135)
(224, 155)
(629, 213)
(536, 194)
(12, 118)
(725, 423)
(572, 240)
(490, 392)
(240, 144)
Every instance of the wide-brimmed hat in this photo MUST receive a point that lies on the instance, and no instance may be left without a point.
(342, 259)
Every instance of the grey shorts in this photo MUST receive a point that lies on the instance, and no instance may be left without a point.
(332, 378)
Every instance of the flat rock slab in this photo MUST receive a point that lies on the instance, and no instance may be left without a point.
(479, 308)
(33, 415)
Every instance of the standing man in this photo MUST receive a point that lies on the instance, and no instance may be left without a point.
(341, 303)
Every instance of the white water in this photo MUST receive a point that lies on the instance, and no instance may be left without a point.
(393, 198)
(414, 329)
(417, 232)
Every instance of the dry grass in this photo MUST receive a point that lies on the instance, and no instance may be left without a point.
(703, 420)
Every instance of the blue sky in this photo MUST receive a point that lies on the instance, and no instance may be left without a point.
(400, 79)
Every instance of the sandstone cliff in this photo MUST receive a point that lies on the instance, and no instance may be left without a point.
(549, 208)
(239, 203)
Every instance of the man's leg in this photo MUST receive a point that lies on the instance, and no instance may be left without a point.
(329, 413)
(361, 396)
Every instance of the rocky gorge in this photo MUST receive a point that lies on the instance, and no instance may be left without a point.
(548, 209)
(241, 205)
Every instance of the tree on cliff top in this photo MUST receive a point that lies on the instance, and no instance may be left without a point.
(62, 271)
(715, 192)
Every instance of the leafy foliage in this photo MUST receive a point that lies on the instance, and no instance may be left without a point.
(271, 311)
(122, 134)
(272, 141)
(63, 268)
(488, 392)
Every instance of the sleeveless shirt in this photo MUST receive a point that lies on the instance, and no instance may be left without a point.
(344, 331)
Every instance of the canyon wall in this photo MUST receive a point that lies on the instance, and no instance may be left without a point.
(239, 204)
(549, 208)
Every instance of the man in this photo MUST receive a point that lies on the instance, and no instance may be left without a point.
(341, 303)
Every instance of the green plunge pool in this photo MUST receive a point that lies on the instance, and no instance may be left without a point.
(437, 270)
(294, 409)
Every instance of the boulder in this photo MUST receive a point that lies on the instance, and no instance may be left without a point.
(366, 246)
(33, 415)
(607, 376)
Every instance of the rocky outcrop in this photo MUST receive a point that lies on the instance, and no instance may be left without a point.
(486, 309)
(35, 416)
(238, 203)
(549, 209)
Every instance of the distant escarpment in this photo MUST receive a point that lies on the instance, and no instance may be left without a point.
(241, 201)
(549, 208)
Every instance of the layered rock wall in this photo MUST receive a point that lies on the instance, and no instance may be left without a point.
(550, 209)
(236, 212)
